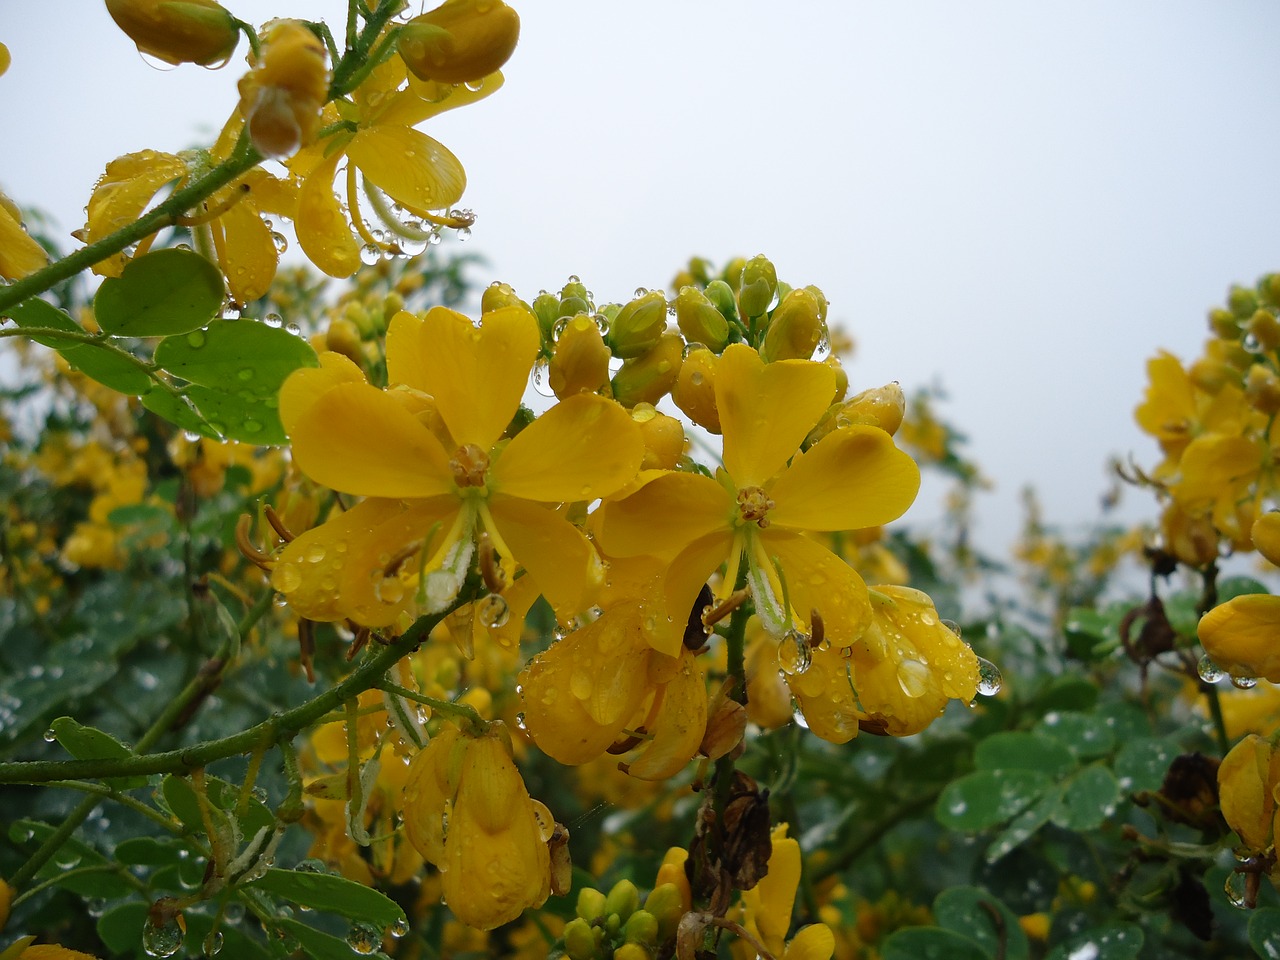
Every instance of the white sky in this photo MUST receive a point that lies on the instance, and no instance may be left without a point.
(1019, 201)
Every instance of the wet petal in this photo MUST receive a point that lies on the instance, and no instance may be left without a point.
(19, 252)
(123, 193)
(357, 439)
(819, 580)
(1240, 635)
(322, 228)
(552, 550)
(408, 166)
(583, 448)
(826, 697)
(678, 729)
(665, 515)
(766, 410)
(854, 477)
(250, 255)
(306, 385)
(476, 374)
(427, 789)
(407, 351)
(426, 98)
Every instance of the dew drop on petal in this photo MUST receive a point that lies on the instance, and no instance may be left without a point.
(989, 679)
(1244, 683)
(493, 611)
(794, 655)
(913, 678)
(1209, 671)
(286, 577)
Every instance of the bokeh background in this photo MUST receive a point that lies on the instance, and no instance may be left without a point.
(1016, 202)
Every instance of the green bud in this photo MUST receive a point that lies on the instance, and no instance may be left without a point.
(700, 321)
(547, 309)
(650, 376)
(1243, 302)
(721, 294)
(590, 904)
(623, 899)
(1270, 285)
(666, 906)
(1265, 329)
(498, 295)
(612, 924)
(795, 329)
(641, 927)
(572, 306)
(638, 325)
(632, 951)
(579, 939)
(1224, 324)
(732, 272)
(574, 288)
(758, 286)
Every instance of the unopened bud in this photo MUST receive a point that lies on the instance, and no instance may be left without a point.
(546, 307)
(699, 320)
(1224, 324)
(632, 951)
(1242, 301)
(638, 325)
(1262, 387)
(663, 437)
(579, 940)
(795, 328)
(343, 337)
(1266, 536)
(882, 407)
(666, 906)
(580, 363)
(498, 295)
(178, 31)
(732, 272)
(623, 900)
(759, 284)
(590, 904)
(721, 295)
(842, 378)
(648, 378)
(695, 389)
(282, 96)
(460, 40)
(1265, 328)
(641, 927)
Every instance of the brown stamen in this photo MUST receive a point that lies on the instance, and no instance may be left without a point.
(495, 578)
(277, 524)
(815, 625)
(469, 465)
(248, 549)
(713, 615)
(753, 505)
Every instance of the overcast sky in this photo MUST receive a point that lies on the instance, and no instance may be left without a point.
(1018, 201)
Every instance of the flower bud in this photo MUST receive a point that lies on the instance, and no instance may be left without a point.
(732, 272)
(638, 325)
(632, 951)
(623, 900)
(19, 252)
(579, 940)
(1262, 387)
(460, 40)
(641, 927)
(648, 378)
(580, 363)
(178, 31)
(590, 904)
(5, 59)
(343, 337)
(725, 728)
(1266, 536)
(699, 320)
(882, 407)
(1242, 301)
(842, 378)
(1265, 328)
(795, 328)
(663, 437)
(695, 389)
(1247, 778)
(759, 284)
(721, 295)
(546, 307)
(281, 97)
(665, 904)
(498, 295)
(1224, 324)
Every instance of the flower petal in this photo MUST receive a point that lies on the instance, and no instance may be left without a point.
(665, 515)
(552, 550)
(766, 410)
(814, 942)
(407, 350)
(666, 618)
(20, 254)
(678, 729)
(306, 385)
(583, 448)
(358, 439)
(852, 478)
(819, 580)
(476, 374)
(249, 255)
(1240, 635)
(123, 193)
(321, 226)
(408, 166)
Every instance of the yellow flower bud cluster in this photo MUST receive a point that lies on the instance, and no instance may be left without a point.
(281, 97)
(617, 925)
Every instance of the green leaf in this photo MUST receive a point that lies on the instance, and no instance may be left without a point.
(37, 313)
(181, 799)
(977, 915)
(249, 418)
(325, 891)
(1231, 587)
(100, 879)
(931, 943)
(316, 945)
(987, 797)
(1025, 825)
(1067, 693)
(1088, 799)
(1090, 634)
(1084, 734)
(103, 362)
(1122, 941)
(1020, 750)
(178, 411)
(1143, 762)
(87, 743)
(149, 852)
(237, 357)
(121, 928)
(162, 293)
(1264, 932)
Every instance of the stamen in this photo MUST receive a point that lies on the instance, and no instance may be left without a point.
(469, 466)
(495, 578)
(818, 635)
(753, 506)
(713, 615)
(247, 548)
(277, 524)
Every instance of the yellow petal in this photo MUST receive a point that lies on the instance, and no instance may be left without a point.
(250, 253)
(1266, 536)
(665, 515)
(766, 410)
(426, 791)
(583, 448)
(819, 580)
(852, 478)
(407, 352)
(19, 252)
(1244, 787)
(408, 166)
(306, 385)
(358, 439)
(1240, 635)
(678, 729)
(666, 616)
(555, 553)
(123, 193)
(777, 889)
(814, 942)
(826, 696)
(322, 228)
(426, 98)
(476, 374)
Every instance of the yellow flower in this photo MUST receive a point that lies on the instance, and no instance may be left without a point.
(1247, 779)
(5, 59)
(767, 906)
(281, 97)
(178, 31)
(1240, 636)
(757, 509)
(19, 253)
(460, 40)
(468, 812)
(435, 492)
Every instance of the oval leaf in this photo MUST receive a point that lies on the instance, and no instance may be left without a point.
(1264, 932)
(88, 743)
(1019, 750)
(1120, 942)
(982, 918)
(236, 357)
(1085, 735)
(931, 943)
(162, 293)
(988, 797)
(326, 891)
(1088, 799)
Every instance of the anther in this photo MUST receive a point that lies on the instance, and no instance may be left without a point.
(469, 465)
(495, 578)
(277, 524)
(753, 505)
(247, 548)
(713, 615)
(815, 624)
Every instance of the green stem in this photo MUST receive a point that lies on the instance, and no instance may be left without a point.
(243, 158)
(105, 792)
(124, 875)
(448, 707)
(54, 841)
(735, 647)
(280, 726)
(348, 72)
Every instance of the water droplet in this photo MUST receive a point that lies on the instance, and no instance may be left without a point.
(464, 234)
(370, 254)
(542, 380)
(794, 655)
(913, 678)
(286, 577)
(316, 552)
(389, 590)
(797, 715)
(190, 436)
(162, 940)
(50, 736)
(252, 426)
(1086, 951)
(246, 373)
(520, 722)
(1209, 671)
(989, 679)
(399, 928)
(557, 330)
(1235, 889)
(273, 320)
(196, 339)
(1244, 683)
(280, 242)
(364, 938)
(493, 611)
(293, 328)
(311, 865)
(952, 626)
(212, 943)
